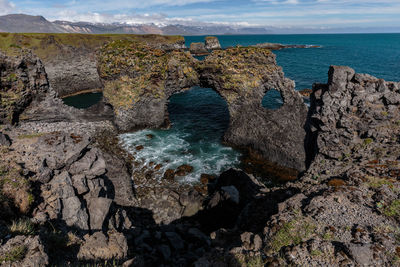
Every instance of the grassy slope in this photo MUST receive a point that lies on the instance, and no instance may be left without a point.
(48, 45)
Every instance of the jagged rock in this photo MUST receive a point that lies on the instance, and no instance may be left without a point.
(251, 241)
(62, 194)
(359, 113)
(80, 183)
(91, 165)
(99, 247)
(212, 43)
(23, 251)
(60, 149)
(23, 80)
(98, 209)
(45, 173)
(183, 170)
(4, 140)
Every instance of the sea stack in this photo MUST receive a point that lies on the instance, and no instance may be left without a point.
(212, 43)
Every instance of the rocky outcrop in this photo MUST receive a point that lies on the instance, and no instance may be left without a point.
(277, 46)
(212, 43)
(242, 76)
(139, 88)
(23, 251)
(353, 114)
(71, 60)
(22, 80)
(348, 193)
(198, 49)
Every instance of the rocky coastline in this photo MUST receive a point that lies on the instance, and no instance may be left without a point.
(71, 195)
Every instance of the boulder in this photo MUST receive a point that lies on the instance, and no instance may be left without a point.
(98, 209)
(100, 247)
(73, 211)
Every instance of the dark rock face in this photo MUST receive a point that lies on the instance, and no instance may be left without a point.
(22, 80)
(75, 71)
(240, 75)
(353, 113)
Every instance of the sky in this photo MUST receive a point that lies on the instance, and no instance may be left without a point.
(273, 13)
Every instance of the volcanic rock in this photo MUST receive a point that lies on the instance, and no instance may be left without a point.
(212, 43)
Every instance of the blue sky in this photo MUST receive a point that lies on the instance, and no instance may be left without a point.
(275, 13)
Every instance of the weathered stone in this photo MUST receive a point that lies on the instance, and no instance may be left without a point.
(183, 170)
(211, 43)
(30, 251)
(23, 80)
(169, 174)
(4, 140)
(73, 211)
(91, 165)
(99, 247)
(80, 183)
(98, 209)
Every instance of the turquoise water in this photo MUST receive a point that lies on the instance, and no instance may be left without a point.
(199, 119)
(200, 116)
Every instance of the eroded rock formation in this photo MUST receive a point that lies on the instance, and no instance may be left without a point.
(70, 59)
(212, 43)
(22, 80)
(138, 81)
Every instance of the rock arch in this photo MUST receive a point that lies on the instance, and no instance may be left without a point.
(138, 80)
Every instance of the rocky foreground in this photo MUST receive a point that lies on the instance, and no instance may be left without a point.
(71, 196)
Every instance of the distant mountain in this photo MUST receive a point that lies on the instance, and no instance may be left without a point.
(27, 24)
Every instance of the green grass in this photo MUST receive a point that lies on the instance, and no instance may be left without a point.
(22, 227)
(250, 261)
(30, 136)
(376, 182)
(393, 210)
(47, 45)
(368, 141)
(292, 233)
(16, 254)
(316, 253)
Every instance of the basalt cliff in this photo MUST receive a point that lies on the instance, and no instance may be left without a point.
(71, 195)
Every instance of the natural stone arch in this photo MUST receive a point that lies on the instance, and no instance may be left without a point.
(138, 80)
(243, 76)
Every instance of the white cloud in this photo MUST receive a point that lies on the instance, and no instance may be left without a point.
(6, 7)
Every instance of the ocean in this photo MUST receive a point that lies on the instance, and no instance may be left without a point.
(200, 117)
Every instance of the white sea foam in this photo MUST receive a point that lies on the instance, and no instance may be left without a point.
(171, 149)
